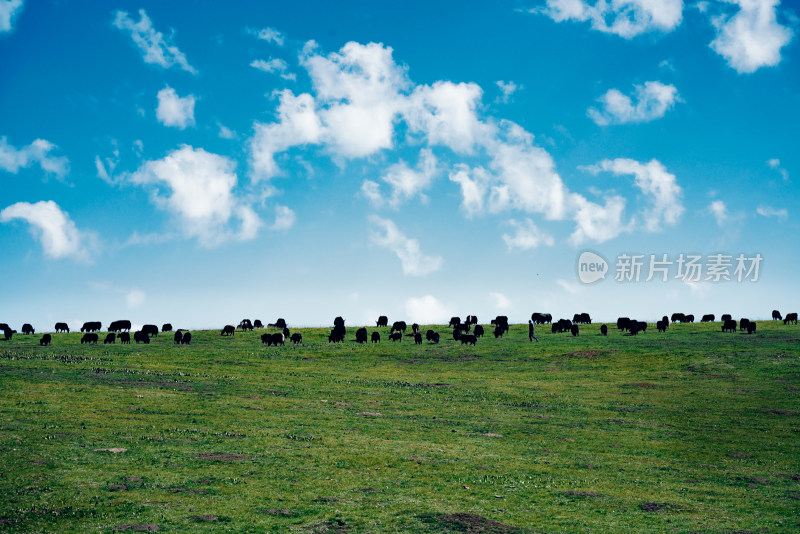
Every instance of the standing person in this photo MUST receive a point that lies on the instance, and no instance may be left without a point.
(531, 335)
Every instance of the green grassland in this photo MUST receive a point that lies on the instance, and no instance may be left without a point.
(688, 431)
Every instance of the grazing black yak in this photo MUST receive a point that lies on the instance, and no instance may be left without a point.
(382, 321)
(296, 338)
(258, 324)
(28, 329)
(124, 338)
(415, 328)
(729, 326)
(119, 326)
(429, 334)
(396, 336)
(228, 330)
(151, 330)
(604, 330)
(361, 335)
(435, 338)
(790, 318)
(677, 318)
(623, 323)
(280, 323)
(661, 326)
(743, 324)
(111, 338)
(166, 327)
(376, 337)
(89, 338)
(708, 318)
(468, 339)
(141, 336)
(178, 337)
(45, 340)
(418, 338)
(187, 338)
(575, 329)
(399, 326)
(776, 315)
(336, 335)
(541, 318)
(454, 321)
(751, 328)
(245, 325)
(726, 317)
(91, 326)
(338, 321)
(478, 330)
(62, 327)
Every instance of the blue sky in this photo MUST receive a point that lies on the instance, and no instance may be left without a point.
(198, 165)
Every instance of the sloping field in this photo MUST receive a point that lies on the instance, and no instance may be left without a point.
(691, 430)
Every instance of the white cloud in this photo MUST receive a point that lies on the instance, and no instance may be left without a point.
(775, 163)
(506, 90)
(414, 262)
(570, 287)
(768, 211)
(500, 301)
(174, 110)
(271, 35)
(656, 183)
(626, 18)
(200, 195)
(372, 192)
(406, 182)
(598, 223)
(59, 236)
(653, 99)
(13, 159)
(156, 49)
(525, 176)
(298, 124)
(135, 298)
(445, 113)
(528, 236)
(752, 38)
(274, 65)
(428, 310)
(225, 132)
(9, 10)
(284, 218)
(720, 212)
(474, 185)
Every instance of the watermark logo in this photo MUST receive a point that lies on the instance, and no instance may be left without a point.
(591, 267)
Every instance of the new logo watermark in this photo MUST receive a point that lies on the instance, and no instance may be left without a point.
(693, 268)
(591, 267)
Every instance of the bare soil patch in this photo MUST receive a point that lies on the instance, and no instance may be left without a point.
(279, 512)
(204, 518)
(588, 354)
(333, 526)
(468, 524)
(223, 456)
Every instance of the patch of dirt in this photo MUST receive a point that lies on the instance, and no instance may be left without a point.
(118, 487)
(204, 518)
(340, 404)
(115, 450)
(493, 435)
(780, 412)
(372, 414)
(279, 512)
(334, 526)
(582, 493)
(468, 524)
(133, 479)
(325, 499)
(255, 407)
(739, 455)
(654, 506)
(588, 354)
(223, 456)
(138, 528)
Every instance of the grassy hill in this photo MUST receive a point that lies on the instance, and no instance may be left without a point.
(691, 430)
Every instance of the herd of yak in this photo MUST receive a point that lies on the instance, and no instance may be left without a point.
(467, 331)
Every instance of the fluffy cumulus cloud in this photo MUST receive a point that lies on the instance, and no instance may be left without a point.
(284, 218)
(720, 212)
(197, 188)
(527, 236)
(750, 38)
(660, 188)
(775, 163)
(386, 234)
(13, 159)
(474, 186)
(9, 9)
(174, 110)
(404, 181)
(428, 310)
(598, 223)
(500, 301)
(506, 90)
(135, 298)
(769, 211)
(54, 229)
(270, 35)
(651, 101)
(155, 48)
(626, 18)
(274, 66)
